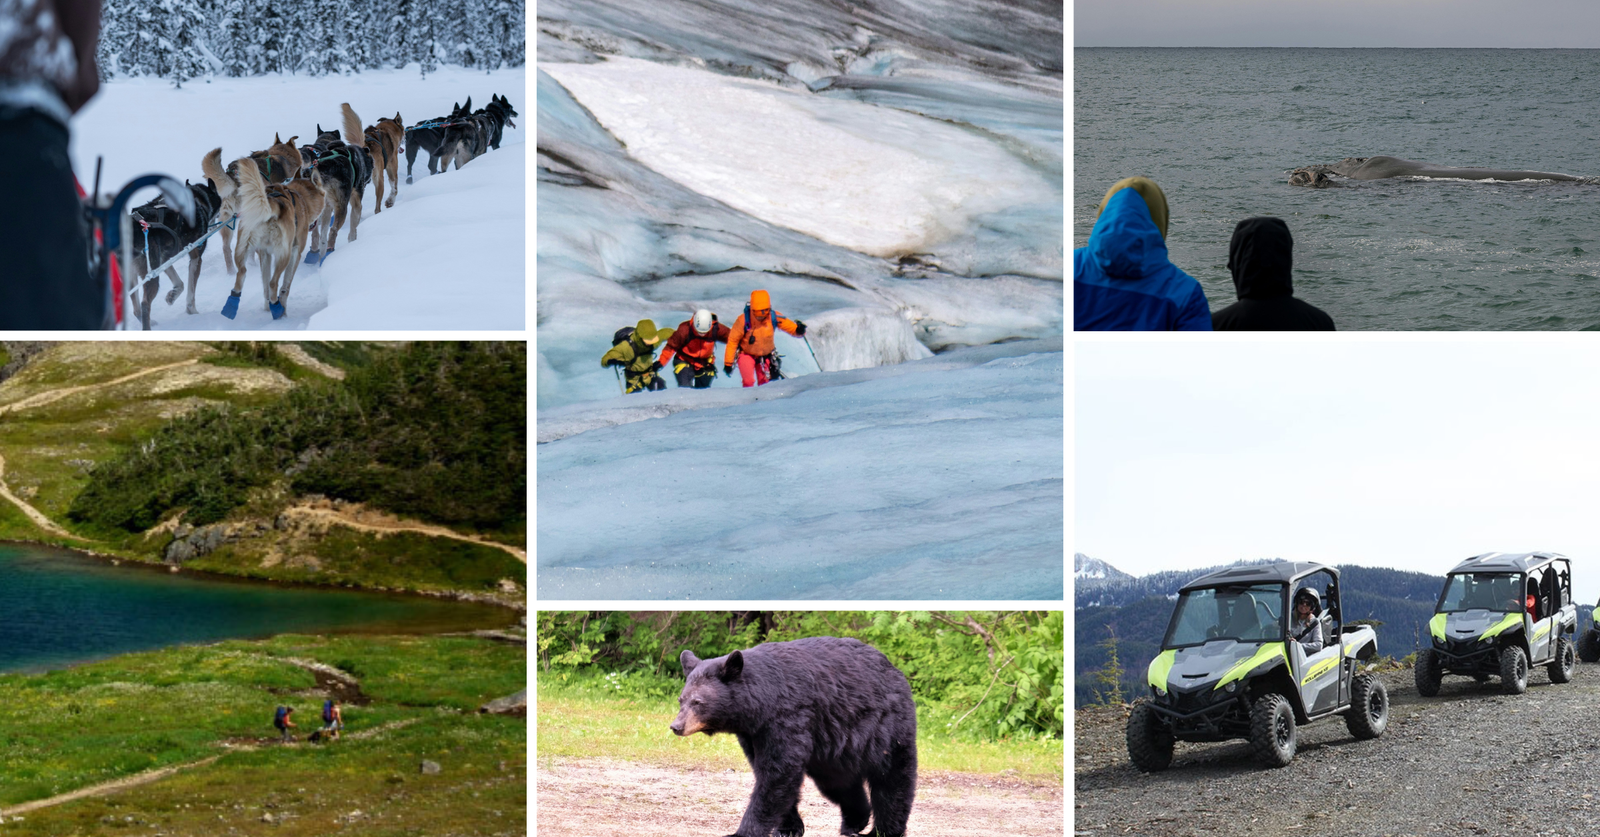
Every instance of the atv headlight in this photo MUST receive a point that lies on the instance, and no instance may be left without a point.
(1160, 692)
(1231, 687)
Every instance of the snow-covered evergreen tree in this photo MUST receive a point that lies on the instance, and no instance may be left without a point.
(234, 46)
(184, 39)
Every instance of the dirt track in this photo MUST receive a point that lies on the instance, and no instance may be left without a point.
(1469, 761)
(585, 797)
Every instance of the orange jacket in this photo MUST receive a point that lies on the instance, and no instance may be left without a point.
(757, 339)
(700, 349)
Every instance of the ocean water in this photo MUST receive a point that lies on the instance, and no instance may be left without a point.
(59, 607)
(1220, 129)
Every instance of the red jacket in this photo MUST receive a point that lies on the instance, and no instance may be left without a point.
(698, 350)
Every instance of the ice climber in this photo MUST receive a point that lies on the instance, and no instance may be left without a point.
(1122, 279)
(1261, 259)
(691, 351)
(633, 350)
(750, 340)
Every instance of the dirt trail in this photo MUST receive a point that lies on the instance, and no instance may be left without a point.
(583, 797)
(389, 525)
(53, 395)
(145, 778)
(1469, 761)
(33, 514)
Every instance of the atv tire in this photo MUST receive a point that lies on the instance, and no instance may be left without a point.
(1589, 647)
(1566, 661)
(1369, 707)
(1149, 739)
(1426, 672)
(1513, 671)
(1272, 730)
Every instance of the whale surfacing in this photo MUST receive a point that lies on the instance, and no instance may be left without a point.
(1381, 167)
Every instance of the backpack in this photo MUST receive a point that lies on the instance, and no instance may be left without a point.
(280, 716)
(749, 324)
(622, 334)
(327, 712)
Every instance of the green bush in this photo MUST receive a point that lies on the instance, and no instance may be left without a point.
(977, 675)
(436, 431)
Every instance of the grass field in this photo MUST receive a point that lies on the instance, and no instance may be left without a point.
(108, 720)
(577, 720)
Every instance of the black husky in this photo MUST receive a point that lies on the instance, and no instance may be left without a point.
(346, 170)
(167, 234)
(472, 136)
(429, 135)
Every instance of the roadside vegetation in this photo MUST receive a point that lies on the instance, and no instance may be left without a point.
(988, 685)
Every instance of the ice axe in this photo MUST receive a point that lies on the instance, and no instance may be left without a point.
(619, 380)
(812, 351)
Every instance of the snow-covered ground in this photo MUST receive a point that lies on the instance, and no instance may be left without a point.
(897, 167)
(450, 254)
(945, 474)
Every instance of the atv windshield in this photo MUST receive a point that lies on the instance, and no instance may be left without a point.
(1246, 613)
(1501, 592)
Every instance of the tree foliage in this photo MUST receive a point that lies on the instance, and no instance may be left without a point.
(435, 431)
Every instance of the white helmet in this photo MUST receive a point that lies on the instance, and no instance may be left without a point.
(702, 321)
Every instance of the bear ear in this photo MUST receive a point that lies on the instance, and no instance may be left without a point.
(688, 660)
(732, 666)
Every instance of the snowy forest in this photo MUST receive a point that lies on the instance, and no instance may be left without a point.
(186, 39)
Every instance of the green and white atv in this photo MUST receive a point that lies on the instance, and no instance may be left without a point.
(1233, 665)
(1498, 615)
(1589, 641)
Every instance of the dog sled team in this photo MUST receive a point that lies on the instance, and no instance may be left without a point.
(288, 197)
(690, 349)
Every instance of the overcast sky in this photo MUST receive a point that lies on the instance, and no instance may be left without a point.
(1346, 23)
(1413, 455)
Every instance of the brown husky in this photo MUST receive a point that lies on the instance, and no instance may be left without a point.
(277, 164)
(383, 143)
(273, 224)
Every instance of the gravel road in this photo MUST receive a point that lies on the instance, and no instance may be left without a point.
(585, 797)
(1469, 761)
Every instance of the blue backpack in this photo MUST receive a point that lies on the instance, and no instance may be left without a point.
(280, 717)
(327, 712)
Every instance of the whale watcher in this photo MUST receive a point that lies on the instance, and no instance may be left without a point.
(1261, 257)
(1122, 279)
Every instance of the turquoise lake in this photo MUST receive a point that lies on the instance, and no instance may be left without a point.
(58, 607)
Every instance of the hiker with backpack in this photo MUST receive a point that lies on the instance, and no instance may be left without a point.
(694, 345)
(332, 719)
(633, 350)
(282, 720)
(750, 341)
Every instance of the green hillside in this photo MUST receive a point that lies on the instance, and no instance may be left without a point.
(399, 466)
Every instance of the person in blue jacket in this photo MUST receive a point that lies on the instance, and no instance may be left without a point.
(1122, 280)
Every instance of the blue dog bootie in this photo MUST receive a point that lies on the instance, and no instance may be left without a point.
(277, 310)
(230, 309)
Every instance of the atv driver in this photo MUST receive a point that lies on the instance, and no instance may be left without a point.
(1307, 627)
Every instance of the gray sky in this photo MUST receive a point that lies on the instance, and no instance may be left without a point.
(1346, 23)
(1404, 454)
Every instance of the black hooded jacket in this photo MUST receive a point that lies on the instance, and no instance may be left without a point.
(1260, 257)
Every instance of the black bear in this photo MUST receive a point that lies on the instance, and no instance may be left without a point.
(833, 709)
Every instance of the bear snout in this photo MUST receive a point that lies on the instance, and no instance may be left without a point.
(686, 723)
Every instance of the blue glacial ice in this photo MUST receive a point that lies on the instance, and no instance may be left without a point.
(891, 157)
(945, 474)
(891, 172)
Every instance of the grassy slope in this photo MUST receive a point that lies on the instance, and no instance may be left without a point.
(45, 449)
(98, 722)
(580, 721)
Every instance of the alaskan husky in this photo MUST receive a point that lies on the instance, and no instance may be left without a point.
(167, 234)
(274, 224)
(383, 142)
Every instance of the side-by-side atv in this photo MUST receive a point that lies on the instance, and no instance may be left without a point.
(1498, 615)
(1589, 640)
(1242, 658)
